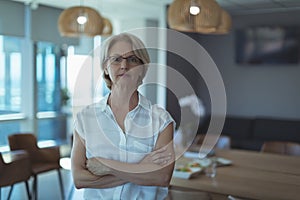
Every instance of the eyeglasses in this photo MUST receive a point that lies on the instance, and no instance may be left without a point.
(132, 60)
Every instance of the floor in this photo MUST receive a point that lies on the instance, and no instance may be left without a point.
(48, 188)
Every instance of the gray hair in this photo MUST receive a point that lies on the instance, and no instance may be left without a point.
(138, 49)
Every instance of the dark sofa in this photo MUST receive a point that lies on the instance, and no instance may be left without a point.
(251, 133)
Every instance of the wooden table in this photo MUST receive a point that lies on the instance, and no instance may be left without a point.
(253, 175)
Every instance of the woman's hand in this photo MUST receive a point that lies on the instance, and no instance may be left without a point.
(95, 166)
(159, 157)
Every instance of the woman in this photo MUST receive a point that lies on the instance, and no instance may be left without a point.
(123, 145)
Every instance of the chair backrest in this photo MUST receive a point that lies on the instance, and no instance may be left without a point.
(16, 169)
(224, 142)
(293, 148)
(24, 141)
(2, 163)
(281, 147)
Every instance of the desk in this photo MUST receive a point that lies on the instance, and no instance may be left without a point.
(253, 175)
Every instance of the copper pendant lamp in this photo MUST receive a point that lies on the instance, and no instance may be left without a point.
(225, 24)
(201, 16)
(107, 29)
(80, 20)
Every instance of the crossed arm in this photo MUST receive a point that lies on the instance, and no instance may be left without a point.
(155, 169)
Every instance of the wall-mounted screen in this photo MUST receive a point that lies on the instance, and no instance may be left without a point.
(267, 45)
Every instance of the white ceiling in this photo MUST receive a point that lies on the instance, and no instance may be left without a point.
(233, 6)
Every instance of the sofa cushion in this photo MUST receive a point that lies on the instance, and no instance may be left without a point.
(237, 127)
(247, 144)
(276, 129)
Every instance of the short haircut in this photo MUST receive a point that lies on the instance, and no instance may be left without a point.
(138, 49)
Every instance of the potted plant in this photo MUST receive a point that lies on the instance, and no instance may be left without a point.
(65, 97)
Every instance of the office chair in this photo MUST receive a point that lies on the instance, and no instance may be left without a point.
(281, 147)
(17, 169)
(42, 159)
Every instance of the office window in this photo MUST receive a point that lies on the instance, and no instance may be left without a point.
(52, 129)
(10, 75)
(76, 65)
(51, 124)
(48, 77)
(7, 128)
(10, 85)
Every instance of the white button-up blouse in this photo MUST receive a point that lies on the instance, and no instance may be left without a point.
(104, 138)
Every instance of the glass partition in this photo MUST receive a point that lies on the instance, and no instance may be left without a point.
(10, 75)
(51, 123)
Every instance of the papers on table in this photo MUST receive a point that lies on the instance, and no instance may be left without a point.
(186, 172)
(196, 166)
(192, 154)
(195, 156)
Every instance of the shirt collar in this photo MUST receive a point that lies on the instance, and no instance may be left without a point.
(143, 102)
(103, 102)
